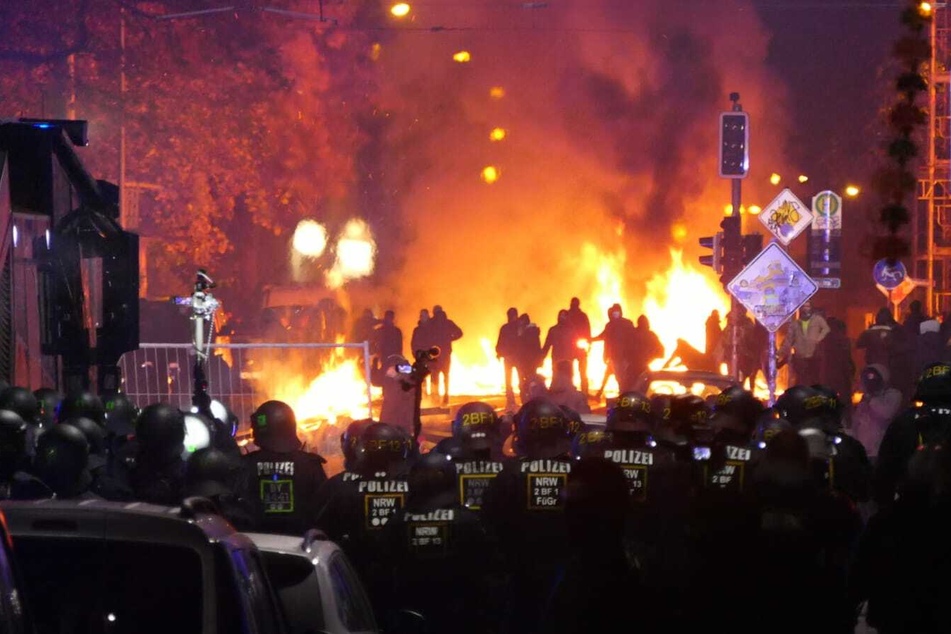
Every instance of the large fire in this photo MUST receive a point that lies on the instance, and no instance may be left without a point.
(677, 303)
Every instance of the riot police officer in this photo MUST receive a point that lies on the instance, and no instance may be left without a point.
(83, 404)
(355, 511)
(283, 477)
(27, 406)
(439, 551)
(524, 506)
(222, 478)
(476, 453)
(15, 482)
(105, 482)
(61, 462)
(734, 419)
(926, 423)
(158, 469)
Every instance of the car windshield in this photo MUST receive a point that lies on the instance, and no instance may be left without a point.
(83, 585)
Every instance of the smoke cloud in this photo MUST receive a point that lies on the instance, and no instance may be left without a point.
(610, 109)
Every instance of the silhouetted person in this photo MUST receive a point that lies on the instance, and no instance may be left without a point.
(445, 331)
(507, 349)
(363, 327)
(581, 331)
(529, 353)
(714, 332)
(644, 347)
(560, 342)
(838, 368)
(389, 338)
(877, 339)
(879, 406)
(616, 335)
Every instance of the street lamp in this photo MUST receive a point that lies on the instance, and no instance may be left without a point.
(852, 191)
(400, 10)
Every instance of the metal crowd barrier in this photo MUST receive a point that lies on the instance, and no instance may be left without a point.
(240, 375)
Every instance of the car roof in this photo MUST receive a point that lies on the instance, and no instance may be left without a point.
(317, 544)
(134, 521)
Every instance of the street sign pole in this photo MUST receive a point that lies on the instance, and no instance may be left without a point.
(771, 369)
(734, 304)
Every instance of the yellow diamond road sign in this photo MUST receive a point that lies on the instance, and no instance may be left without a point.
(786, 217)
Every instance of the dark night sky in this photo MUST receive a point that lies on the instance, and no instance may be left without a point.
(830, 53)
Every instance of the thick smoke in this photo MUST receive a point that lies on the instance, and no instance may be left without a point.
(611, 111)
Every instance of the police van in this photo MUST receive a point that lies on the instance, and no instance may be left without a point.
(96, 566)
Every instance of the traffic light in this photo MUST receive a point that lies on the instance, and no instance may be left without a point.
(715, 244)
(752, 245)
(732, 248)
(734, 144)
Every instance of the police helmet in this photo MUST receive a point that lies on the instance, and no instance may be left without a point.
(934, 384)
(688, 409)
(575, 422)
(591, 444)
(199, 433)
(22, 401)
(62, 454)
(350, 439)
(94, 434)
(476, 425)
(769, 424)
(933, 424)
(48, 401)
(12, 442)
(660, 408)
(830, 408)
(121, 413)
(83, 404)
(631, 412)
(210, 472)
(160, 432)
(800, 404)
(432, 477)
(275, 427)
(736, 408)
(381, 448)
(541, 430)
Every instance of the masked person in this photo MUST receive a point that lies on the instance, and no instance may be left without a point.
(581, 332)
(282, 477)
(617, 334)
(506, 350)
(879, 406)
(388, 338)
(560, 341)
(444, 332)
(529, 354)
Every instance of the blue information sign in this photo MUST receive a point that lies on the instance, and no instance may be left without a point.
(888, 275)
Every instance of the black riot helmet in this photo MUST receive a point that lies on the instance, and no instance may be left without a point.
(830, 408)
(933, 425)
(95, 435)
(541, 430)
(736, 409)
(275, 427)
(121, 414)
(160, 432)
(591, 444)
(382, 448)
(768, 425)
(575, 422)
(61, 457)
(476, 426)
(432, 480)
(800, 404)
(210, 472)
(350, 439)
(631, 412)
(688, 409)
(12, 443)
(83, 404)
(22, 401)
(660, 408)
(934, 385)
(48, 401)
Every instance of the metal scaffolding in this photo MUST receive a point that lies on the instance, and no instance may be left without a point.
(931, 226)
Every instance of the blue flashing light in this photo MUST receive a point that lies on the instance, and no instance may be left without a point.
(43, 126)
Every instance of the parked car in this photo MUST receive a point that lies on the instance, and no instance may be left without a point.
(318, 589)
(96, 566)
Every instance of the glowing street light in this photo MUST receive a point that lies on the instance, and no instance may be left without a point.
(490, 174)
(803, 178)
(754, 210)
(852, 191)
(310, 238)
(496, 92)
(925, 9)
(400, 10)
(497, 134)
(462, 57)
(774, 178)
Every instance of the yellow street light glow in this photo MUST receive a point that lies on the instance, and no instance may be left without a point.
(774, 178)
(462, 57)
(400, 10)
(803, 178)
(852, 191)
(496, 92)
(490, 174)
(497, 134)
(925, 9)
(754, 210)
(727, 210)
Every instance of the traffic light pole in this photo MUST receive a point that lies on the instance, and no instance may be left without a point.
(734, 303)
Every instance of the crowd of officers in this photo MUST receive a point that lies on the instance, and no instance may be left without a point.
(680, 514)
